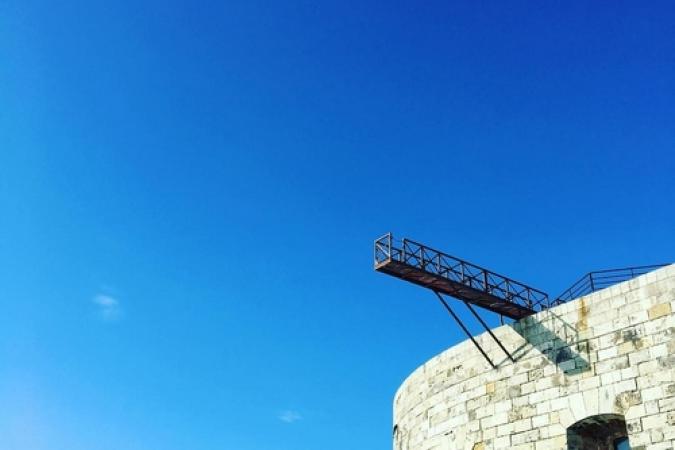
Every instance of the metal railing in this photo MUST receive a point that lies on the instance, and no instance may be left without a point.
(594, 281)
(434, 262)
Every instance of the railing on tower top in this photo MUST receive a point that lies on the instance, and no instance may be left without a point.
(440, 264)
(594, 281)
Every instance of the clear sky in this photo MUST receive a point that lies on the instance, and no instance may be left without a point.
(189, 192)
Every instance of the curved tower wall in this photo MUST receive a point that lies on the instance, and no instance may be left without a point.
(608, 354)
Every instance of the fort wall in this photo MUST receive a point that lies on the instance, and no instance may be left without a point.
(610, 354)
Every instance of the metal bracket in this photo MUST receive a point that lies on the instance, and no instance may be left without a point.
(459, 322)
(489, 331)
(466, 331)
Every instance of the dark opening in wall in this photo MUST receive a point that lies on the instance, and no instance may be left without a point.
(601, 432)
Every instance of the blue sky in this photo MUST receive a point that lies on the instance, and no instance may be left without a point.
(189, 195)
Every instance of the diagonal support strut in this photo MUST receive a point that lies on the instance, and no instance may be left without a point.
(459, 322)
(475, 314)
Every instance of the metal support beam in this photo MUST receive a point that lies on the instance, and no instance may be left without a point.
(459, 322)
(475, 314)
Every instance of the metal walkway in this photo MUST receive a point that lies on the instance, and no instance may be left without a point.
(442, 273)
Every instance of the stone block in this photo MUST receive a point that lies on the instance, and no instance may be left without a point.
(525, 437)
(502, 442)
(659, 310)
(654, 421)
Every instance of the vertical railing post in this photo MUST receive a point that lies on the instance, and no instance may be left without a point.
(389, 250)
(375, 252)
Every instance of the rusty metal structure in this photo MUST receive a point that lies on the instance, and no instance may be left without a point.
(476, 286)
(440, 272)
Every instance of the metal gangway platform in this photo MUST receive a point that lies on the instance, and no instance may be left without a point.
(440, 272)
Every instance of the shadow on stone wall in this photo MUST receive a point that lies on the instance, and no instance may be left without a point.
(554, 338)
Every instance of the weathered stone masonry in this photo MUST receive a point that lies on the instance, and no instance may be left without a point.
(611, 353)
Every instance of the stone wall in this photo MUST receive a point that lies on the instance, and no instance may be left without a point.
(609, 353)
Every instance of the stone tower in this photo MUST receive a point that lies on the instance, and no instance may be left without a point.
(595, 373)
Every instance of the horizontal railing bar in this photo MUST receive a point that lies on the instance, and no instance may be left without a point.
(650, 267)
